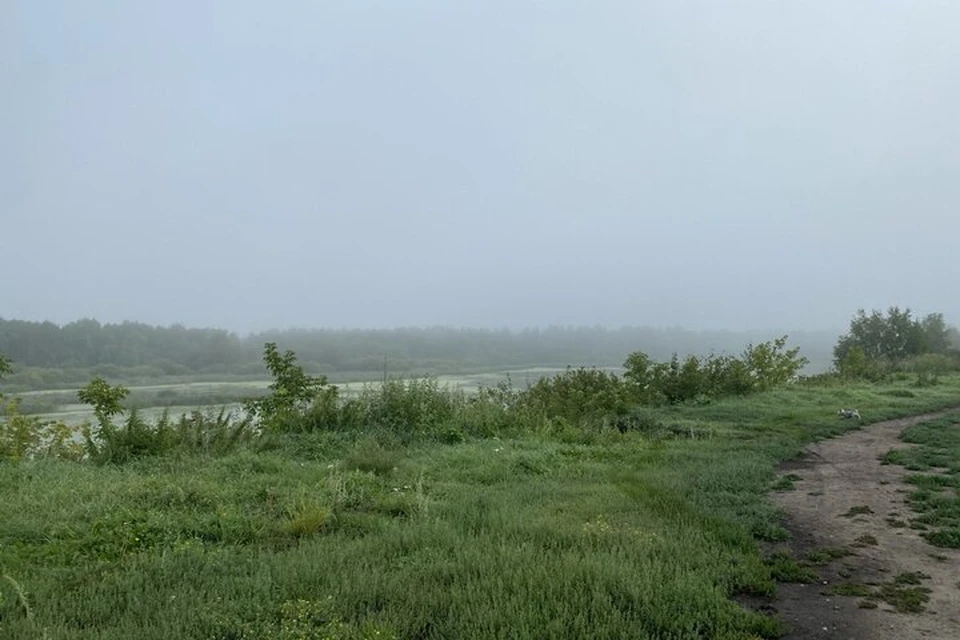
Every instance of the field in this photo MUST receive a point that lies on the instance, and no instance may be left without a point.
(656, 532)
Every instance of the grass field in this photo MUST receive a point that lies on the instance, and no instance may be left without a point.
(569, 534)
(937, 496)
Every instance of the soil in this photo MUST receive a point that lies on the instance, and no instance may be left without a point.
(845, 496)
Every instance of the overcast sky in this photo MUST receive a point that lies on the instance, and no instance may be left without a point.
(373, 164)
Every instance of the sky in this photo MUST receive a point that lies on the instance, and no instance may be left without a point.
(251, 165)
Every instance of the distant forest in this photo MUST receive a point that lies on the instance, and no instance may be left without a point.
(150, 351)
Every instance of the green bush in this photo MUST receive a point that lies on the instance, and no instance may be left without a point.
(24, 437)
(760, 368)
(411, 407)
(293, 396)
(577, 396)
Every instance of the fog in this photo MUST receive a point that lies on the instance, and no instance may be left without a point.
(250, 165)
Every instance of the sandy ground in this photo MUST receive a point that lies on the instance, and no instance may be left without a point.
(843, 474)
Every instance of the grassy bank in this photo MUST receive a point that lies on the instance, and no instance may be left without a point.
(935, 462)
(570, 533)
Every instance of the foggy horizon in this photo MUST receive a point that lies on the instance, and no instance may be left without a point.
(244, 333)
(703, 165)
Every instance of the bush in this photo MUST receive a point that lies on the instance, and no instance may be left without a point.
(760, 368)
(577, 396)
(120, 444)
(24, 437)
(207, 434)
(409, 407)
(293, 395)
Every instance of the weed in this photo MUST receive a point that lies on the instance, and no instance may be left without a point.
(865, 540)
(905, 599)
(309, 519)
(849, 589)
(22, 600)
(785, 482)
(369, 456)
(910, 577)
(825, 556)
(783, 568)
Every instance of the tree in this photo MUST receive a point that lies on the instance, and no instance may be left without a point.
(770, 365)
(104, 398)
(953, 339)
(891, 338)
(935, 335)
(6, 368)
(292, 391)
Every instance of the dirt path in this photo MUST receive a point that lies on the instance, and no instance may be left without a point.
(846, 496)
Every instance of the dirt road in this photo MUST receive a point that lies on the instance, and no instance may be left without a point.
(848, 500)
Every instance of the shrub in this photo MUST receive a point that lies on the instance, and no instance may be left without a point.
(120, 444)
(771, 366)
(293, 394)
(419, 406)
(104, 399)
(762, 367)
(23, 437)
(577, 396)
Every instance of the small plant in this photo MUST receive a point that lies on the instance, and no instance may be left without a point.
(825, 556)
(24, 604)
(910, 577)
(905, 599)
(369, 456)
(783, 568)
(309, 519)
(785, 482)
(865, 541)
(849, 589)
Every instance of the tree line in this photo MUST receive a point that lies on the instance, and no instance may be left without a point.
(179, 350)
(878, 344)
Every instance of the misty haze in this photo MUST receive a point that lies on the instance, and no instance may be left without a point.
(423, 320)
(507, 164)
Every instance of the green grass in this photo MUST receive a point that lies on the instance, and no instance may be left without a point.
(903, 592)
(937, 495)
(580, 533)
(849, 589)
(826, 555)
(786, 482)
